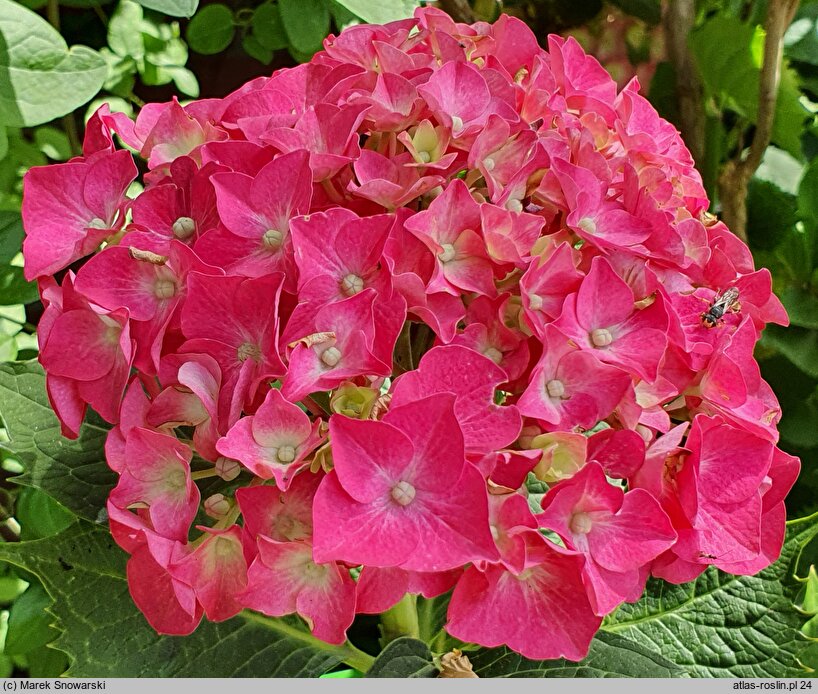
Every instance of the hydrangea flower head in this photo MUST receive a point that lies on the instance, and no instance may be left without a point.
(371, 300)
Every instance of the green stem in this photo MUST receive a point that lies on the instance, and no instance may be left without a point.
(204, 474)
(352, 656)
(400, 620)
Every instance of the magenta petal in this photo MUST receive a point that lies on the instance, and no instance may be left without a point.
(217, 571)
(544, 613)
(155, 593)
(369, 457)
(285, 579)
(473, 379)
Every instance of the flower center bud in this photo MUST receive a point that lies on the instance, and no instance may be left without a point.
(272, 239)
(580, 523)
(488, 163)
(286, 454)
(164, 289)
(555, 389)
(494, 354)
(457, 123)
(183, 228)
(447, 253)
(247, 350)
(424, 156)
(601, 337)
(403, 493)
(352, 284)
(217, 506)
(227, 468)
(331, 356)
(514, 205)
(97, 223)
(534, 302)
(313, 572)
(587, 224)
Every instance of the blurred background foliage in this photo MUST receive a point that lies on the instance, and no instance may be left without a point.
(699, 61)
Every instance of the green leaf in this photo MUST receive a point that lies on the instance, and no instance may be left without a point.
(799, 345)
(722, 625)
(611, 655)
(722, 49)
(255, 50)
(40, 77)
(306, 23)
(268, 29)
(184, 80)
(39, 515)
(72, 472)
(110, 638)
(404, 657)
(124, 36)
(799, 424)
(53, 143)
(14, 289)
(29, 624)
(173, 8)
(801, 37)
(798, 253)
(770, 214)
(11, 235)
(342, 17)
(46, 662)
(808, 194)
(211, 30)
(380, 11)
(802, 306)
(789, 113)
(781, 168)
(662, 92)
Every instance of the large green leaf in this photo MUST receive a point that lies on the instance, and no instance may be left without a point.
(801, 37)
(72, 472)
(799, 345)
(29, 624)
(808, 194)
(11, 235)
(109, 637)
(770, 214)
(802, 306)
(722, 625)
(306, 23)
(404, 657)
(380, 11)
(722, 49)
(268, 29)
(14, 289)
(174, 8)
(211, 30)
(610, 656)
(40, 77)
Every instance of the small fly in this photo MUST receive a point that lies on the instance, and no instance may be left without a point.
(722, 303)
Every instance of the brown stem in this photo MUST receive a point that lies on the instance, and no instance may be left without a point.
(736, 175)
(680, 16)
(52, 11)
